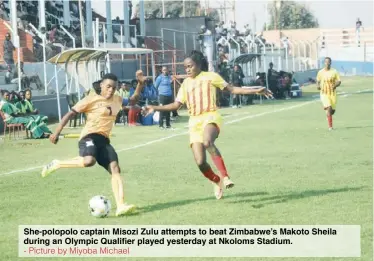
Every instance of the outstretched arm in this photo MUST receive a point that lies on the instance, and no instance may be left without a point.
(169, 107)
(251, 90)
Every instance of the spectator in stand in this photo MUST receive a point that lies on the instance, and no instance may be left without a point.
(8, 49)
(233, 31)
(3, 12)
(163, 85)
(219, 30)
(52, 34)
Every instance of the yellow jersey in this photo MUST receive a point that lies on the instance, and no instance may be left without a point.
(328, 79)
(100, 113)
(200, 93)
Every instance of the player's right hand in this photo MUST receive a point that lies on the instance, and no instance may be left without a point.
(267, 93)
(54, 138)
(146, 110)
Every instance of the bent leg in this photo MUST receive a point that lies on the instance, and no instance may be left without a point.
(200, 158)
(211, 132)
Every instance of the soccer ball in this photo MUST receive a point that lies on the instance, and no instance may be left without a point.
(99, 206)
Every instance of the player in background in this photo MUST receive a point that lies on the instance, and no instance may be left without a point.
(101, 109)
(198, 92)
(328, 80)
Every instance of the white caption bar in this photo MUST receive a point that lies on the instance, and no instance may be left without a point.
(189, 241)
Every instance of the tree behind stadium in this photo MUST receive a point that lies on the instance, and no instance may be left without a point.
(291, 15)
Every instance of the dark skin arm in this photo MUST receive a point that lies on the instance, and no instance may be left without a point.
(176, 105)
(243, 91)
(337, 84)
(169, 107)
(139, 88)
(54, 137)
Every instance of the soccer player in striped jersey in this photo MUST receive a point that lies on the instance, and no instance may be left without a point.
(328, 80)
(198, 92)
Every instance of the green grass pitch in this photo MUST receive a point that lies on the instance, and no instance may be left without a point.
(288, 169)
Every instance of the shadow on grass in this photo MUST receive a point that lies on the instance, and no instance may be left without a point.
(261, 202)
(356, 127)
(248, 198)
(179, 203)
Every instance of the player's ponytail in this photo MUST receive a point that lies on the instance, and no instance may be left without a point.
(200, 60)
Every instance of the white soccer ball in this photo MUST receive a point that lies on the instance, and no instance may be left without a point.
(99, 206)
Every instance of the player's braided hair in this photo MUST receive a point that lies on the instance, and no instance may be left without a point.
(96, 87)
(200, 60)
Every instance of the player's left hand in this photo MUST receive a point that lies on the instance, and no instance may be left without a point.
(54, 138)
(142, 79)
(146, 110)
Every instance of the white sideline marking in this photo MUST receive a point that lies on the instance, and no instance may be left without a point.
(186, 132)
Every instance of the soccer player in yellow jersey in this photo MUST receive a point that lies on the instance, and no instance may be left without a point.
(328, 80)
(101, 109)
(198, 92)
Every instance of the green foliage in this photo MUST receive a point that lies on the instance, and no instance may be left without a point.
(153, 9)
(291, 15)
(214, 15)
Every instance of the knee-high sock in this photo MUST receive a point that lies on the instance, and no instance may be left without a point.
(209, 174)
(329, 120)
(220, 164)
(77, 162)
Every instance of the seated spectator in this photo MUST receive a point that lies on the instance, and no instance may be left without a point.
(30, 106)
(25, 83)
(25, 107)
(13, 97)
(150, 92)
(27, 80)
(124, 91)
(14, 116)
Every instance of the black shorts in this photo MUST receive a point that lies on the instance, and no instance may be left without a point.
(99, 147)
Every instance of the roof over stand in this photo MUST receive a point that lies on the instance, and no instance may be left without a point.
(87, 54)
(244, 58)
